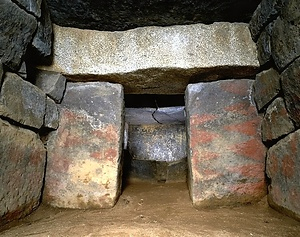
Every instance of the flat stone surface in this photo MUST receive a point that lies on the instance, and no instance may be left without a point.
(291, 90)
(283, 168)
(22, 165)
(147, 60)
(52, 83)
(264, 45)
(124, 15)
(22, 102)
(266, 87)
(276, 122)
(225, 153)
(159, 142)
(285, 44)
(84, 154)
(17, 28)
(51, 119)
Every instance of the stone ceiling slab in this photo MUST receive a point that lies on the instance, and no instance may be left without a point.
(157, 60)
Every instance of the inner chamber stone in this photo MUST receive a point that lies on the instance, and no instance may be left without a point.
(155, 139)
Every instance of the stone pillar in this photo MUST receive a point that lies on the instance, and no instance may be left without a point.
(225, 154)
(84, 154)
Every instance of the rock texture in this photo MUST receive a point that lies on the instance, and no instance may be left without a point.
(266, 87)
(32, 6)
(14, 22)
(22, 165)
(276, 122)
(283, 165)
(225, 152)
(51, 119)
(84, 154)
(147, 60)
(52, 83)
(22, 102)
(123, 15)
(291, 90)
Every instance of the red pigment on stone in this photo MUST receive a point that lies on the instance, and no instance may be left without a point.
(250, 170)
(253, 189)
(201, 136)
(252, 149)
(198, 119)
(288, 166)
(237, 88)
(111, 154)
(248, 128)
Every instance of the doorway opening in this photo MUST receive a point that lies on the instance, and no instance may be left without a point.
(154, 139)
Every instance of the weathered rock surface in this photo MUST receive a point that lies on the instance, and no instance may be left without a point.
(225, 153)
(83, 167)
(264, 53)
(283, 168)
(52, 83)
(51, 119)
(17, 28)
(291, 90)
(159, 142)
(22, 102)
(148, 60)
(266, 12)
(285, 44)
(42, 40)
(276, 122)
(22, 165)
(266, 87)
(1, 74)
(33, 6)
(124, 15)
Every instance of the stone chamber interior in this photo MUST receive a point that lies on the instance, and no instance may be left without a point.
(149, 118)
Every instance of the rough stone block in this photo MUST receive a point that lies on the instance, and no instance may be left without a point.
(22, 102)
(266, 11)
(276, 122)
(17, 28)
(266, 87)
(291, 90)
(159, 142)
(33, 6)
(147, 60)
(226, 156)
(283, 168)
(52, 83)
(264, 53)
(51, 119)
(84, 154)
(42, 40)
(1, 74)
(285, 43)
(22, 165)
(291, 10)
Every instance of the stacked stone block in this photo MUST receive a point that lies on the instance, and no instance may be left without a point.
(275, 28)
(225, 153)
(84, 154)
(25, 110)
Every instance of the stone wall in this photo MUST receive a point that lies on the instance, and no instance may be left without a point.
(275, 27)
(26, 110)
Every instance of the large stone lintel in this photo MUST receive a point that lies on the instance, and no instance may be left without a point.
(146, 60)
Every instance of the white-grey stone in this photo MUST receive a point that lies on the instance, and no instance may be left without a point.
(149, 59)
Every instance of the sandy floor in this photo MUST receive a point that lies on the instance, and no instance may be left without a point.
(146, 209)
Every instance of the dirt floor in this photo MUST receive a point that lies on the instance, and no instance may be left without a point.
(153, 209)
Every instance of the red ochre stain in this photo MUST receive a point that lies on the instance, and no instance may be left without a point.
(256, 189)
(288, 166)
(199, 137)
(199, 119)
(273, 164)
(111, 154)
(97, 155)
(109, 133)
(252, 149)
(237, 88)
(248, 128)
(294, 196)
(250, 171)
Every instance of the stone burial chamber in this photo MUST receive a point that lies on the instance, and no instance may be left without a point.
(86, 108)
